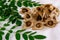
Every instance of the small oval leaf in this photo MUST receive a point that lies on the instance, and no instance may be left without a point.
(25, 3)
(1, 33)
(20, 30)
(0, 37)
(30, 4)
(27, 32)
(25, 36)
(6, 24)
(17, 36)
(3, 28)
(39, 37)
(13, 27)
(33, 33)
(10, 31)
(19, 3)
(18, 23)
(7, 36)
(31, 38)
(13, 21)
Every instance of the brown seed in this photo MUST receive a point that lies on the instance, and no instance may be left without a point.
(24, 10)
(50, 23)
(38, 8)
(38, 25)
(47, 5)
(27, 16)
(44, 19)
(54, 18)
(28, 23)
(49, 11)
(39, 18)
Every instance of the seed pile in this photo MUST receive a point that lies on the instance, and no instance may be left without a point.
(40, 17)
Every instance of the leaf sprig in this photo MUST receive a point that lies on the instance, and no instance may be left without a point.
(10, 12)
(28, 35)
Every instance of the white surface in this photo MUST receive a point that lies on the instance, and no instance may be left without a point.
(50, 33)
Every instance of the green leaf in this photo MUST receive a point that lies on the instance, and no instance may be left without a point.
(20, 30)
(0, 37)
(10, 31)
(3, 29)
(2, 19)
(1, 33)
(33, 33)
(7, 36)
(11, 18)
(13, 27)
(39, 37)
(14, 8)
(25, 3)
(19, 3)
(27, 32)
(4, 1)
(9, 0)
(12, 3)
(5, 6)
(25, 36)
(31, 37)
(30, 4)
(1, 3)
(36, 4)
(13, 21)
(27, 0)
(15, 14)
(18, 23)
(6, 14)
(19, 17)
(17, 36)
(6, 24)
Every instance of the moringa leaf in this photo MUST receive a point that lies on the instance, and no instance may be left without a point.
(18, 23)
(3, 29)
(13, 27)
(17, 36)
(10, 31)
(19, 17)
(6, 24)
(7, 36)
(33, 33)
(9, 0)
(30, 4)
(27, 32)
(25, 3)
(0, 37)
(2, 19)
(31, 37)
(14, 8)
(13, 21)
(19, 3)
(11, 18)
(39, 37)
(1, 33)
(20, 30)
(1, 3)
(25, 36)
(4, 1)
(36, 4)
(12, 3)
(27, 0)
